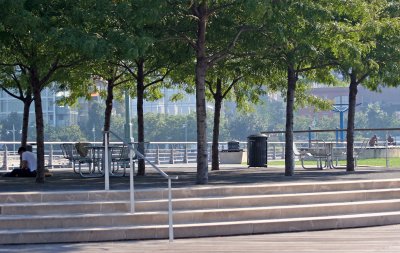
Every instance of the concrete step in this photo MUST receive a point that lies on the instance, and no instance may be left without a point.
(197, 216)
(114, 233)
(198, 191)
(98, 206)
(198, 211)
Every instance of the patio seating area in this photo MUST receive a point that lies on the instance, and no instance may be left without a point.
(326, 154)
(87, 159)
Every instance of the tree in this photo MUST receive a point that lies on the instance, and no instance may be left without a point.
(296, 38)
(149, 70)
(114, 76)
(122, 30)
(15, 83)
(221, 23)
(40, 37)
(367, 52)
(233, 80)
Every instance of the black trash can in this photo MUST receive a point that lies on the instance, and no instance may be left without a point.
(257, 150)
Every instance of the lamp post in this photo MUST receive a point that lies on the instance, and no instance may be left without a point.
(185, 126)
(128, 124)
(94, 134)
(13, 133)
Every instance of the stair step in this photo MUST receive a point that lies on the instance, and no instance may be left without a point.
(195, 203)
(43, 217)
(112, 233)
(198, 216)
(199, 191)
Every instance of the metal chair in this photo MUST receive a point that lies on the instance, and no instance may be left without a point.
(68, 150)
(120, 158)
(84, 156)
(318, 151)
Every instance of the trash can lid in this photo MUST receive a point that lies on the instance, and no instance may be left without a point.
(257, 135)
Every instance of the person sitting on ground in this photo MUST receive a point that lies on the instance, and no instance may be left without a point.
(373, 141)
(28, 165)
(391, 140)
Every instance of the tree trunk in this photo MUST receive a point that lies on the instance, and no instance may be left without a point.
(25, 121)
(289, 156)
(109, 105)
(140, 99)
(350, 122)
(217, 117)
(201, 113)
(36, 88)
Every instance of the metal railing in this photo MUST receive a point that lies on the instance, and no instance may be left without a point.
(160, 153)
(383, 150)
(139, 155)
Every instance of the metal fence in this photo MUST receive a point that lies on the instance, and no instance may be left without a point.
(186, 152)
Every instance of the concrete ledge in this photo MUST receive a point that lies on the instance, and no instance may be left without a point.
(236, 157)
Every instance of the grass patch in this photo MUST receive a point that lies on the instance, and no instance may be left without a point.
(393, 162)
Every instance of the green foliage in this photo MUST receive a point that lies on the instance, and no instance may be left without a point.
(68, 133)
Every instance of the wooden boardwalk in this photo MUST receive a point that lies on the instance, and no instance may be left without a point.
(374, 239)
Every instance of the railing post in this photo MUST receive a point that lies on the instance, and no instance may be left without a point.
(131, 179)
(171, 159)
(387, 151)
(5, 161)
(274, 151)
(170, 221)
(185, 155)
(337, 135)
(106, 169)
(157, 158)
(50, 162)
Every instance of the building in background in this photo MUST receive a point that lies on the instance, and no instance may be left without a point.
(388, 99)
(164, 105)
(53, 114)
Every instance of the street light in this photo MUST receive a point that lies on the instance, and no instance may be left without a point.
(13, 133)
(185, 126)
(94, 134)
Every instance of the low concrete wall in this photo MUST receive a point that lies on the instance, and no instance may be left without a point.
(236, 157)
(380, 152)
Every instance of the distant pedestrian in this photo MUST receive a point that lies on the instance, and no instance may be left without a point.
(391, 141)
(373, 141)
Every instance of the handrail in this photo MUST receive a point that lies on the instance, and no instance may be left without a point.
(165, 175)
(141, 156)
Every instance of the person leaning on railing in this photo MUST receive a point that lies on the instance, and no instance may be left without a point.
(373, 141)
(391, 141)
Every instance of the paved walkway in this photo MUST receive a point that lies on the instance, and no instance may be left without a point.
(385, 239)
(65, 179)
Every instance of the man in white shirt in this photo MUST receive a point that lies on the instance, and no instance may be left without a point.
(28, 165)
